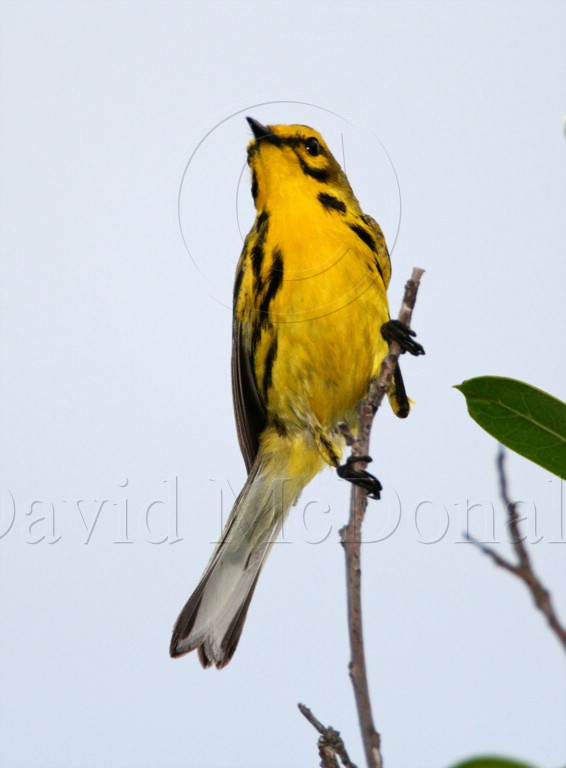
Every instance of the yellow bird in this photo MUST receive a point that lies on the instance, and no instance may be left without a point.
(311, 327)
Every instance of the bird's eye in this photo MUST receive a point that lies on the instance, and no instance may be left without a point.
(313, 147)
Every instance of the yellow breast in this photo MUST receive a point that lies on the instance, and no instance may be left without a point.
(317, 334)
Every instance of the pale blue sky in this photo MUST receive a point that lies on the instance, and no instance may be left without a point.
(116, 378)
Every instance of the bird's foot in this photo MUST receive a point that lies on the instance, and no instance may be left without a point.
(395, 330)
(359, 476)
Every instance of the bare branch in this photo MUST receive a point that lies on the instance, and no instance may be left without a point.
(350, 535)
(330, 743)
(327, 755)
(523, 569)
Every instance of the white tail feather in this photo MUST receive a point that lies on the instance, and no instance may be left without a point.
(214, 615)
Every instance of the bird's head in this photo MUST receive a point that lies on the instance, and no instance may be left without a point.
(289, 161)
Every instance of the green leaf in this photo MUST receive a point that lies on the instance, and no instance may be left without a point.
(491, 762)
(524, 418)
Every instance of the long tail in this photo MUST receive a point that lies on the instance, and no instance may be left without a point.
(214, 615)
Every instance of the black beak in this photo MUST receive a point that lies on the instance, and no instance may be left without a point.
(258, 130)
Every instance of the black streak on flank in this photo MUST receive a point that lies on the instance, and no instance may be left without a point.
(378, 267)
(326, 443)
(280, 426)
(364, 235)
(257, 254)
(273, 284)
(274, 281)
(261, 223)
(238, 285)
(268, 367)
(331, 202)
(257, 259)
(257, 329)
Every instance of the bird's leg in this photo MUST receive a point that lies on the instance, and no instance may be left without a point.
(332, 454)
(360, 477)
(395, 330)
(346, 433)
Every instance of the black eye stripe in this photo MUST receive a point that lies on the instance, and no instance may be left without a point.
(311, 144)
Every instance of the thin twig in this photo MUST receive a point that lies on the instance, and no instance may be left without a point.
(350, 535)
(523, 569)
(327, 755)
(330, 744)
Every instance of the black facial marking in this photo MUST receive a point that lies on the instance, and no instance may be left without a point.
(320, 174)
(254, 186)
(331, 202)
(290, 141)
(272, 138)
